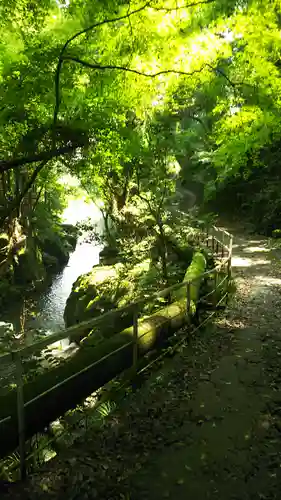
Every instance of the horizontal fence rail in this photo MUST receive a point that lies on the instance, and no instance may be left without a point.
(216, 239)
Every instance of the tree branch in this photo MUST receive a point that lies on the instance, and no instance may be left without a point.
(79, 33)
(143, 198)
(43, 156)
(135, 71)
(109, 21)
(233, 84)
(193, 4)
(152, 75)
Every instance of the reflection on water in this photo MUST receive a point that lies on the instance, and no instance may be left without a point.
(51, 304)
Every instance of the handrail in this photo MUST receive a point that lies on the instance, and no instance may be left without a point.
(83, 325)
(76, 329)
(16, 355)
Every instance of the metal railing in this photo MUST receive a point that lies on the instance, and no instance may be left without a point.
(217, 240)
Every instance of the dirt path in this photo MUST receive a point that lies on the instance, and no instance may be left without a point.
(208, 424)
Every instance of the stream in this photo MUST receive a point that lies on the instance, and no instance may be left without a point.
(48, 305)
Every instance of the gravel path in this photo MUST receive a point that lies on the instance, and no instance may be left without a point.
(207, 424)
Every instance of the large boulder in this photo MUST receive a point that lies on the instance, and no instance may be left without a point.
(58, 243)
(102, 289)
(56, 247)
(85, 300)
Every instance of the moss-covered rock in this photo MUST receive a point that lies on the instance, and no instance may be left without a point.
(85, 296)
(55, 247)
(112, 287)
(58, 242)
(102, 289)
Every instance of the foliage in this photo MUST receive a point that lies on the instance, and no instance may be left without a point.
(211, 102)
(146, 103)
(254, 193)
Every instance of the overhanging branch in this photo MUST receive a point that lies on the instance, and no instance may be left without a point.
(97, 25)
(102, 67)
(110, 21)
(79, 33)
(44, 156)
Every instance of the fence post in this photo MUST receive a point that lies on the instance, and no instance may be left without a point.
(135, 337)
(229, 267)
(215, 289)
(187, 298)
(229, 259)
(20, 413)
(213, 242)
(222, 244)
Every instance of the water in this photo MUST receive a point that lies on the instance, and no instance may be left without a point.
(50, 306)
(46, 315)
